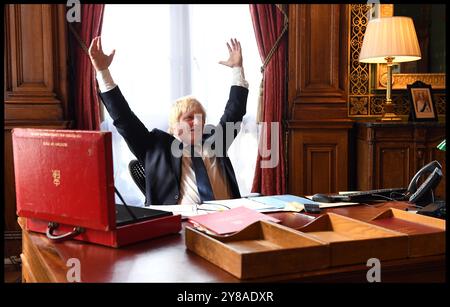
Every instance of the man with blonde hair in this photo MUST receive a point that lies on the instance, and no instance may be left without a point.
(189, 164)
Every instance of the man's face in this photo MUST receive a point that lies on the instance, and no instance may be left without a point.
(190, 126)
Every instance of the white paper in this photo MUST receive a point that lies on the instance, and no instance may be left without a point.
(184, 210)
(238, 202)
(331, 205)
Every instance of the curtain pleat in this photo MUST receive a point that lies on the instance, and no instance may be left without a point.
(86, 105)
(268, 23)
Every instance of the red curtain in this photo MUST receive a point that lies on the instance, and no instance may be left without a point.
(268, 23)
(86, 105)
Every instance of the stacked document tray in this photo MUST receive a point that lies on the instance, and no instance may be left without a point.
(265, 248)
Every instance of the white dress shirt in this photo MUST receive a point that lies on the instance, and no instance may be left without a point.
(188, 184)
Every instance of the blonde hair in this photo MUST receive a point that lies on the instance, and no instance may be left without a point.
(183, 105)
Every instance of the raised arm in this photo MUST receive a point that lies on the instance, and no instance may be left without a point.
(127, 123)
(235, 108)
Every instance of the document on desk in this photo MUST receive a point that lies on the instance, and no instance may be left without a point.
(237, 202)
(184, 210)
(331, 205)
(281, 200)
(264, 204)
(187, 211)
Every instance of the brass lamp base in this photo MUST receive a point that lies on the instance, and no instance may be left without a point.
(389, 115)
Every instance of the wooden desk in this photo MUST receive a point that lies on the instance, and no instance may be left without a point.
(166, 259)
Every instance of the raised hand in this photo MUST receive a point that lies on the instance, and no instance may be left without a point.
(99, 60)
(235, 59)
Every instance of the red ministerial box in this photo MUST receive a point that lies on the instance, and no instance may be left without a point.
(66, 177)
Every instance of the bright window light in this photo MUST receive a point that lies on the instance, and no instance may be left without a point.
(167, 51)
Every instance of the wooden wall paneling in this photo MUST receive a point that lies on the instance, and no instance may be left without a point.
(36, 80)
(365, 165)
(390, 154)
(317, 123)
(395, 162)
(320, 165)
(318, 159)
(318, 92)
(433, 137)
(439, 155)
(35, 62)
(318, 44)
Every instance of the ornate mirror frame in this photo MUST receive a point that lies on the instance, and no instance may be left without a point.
(366, 92)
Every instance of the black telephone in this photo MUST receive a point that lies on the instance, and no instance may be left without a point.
(423, 195)
(419, 196)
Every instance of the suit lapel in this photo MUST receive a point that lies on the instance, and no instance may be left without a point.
(176, 161)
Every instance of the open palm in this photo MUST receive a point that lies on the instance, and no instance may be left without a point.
(99, 60)
(235, 59)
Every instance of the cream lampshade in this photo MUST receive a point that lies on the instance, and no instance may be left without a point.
(390, 40)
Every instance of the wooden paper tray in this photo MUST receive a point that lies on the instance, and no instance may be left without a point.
(426, 234)
(261, 249)
(352, 241)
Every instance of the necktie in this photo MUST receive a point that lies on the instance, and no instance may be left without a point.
(203, 184)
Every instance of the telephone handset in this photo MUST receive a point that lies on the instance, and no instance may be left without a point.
(423, 195)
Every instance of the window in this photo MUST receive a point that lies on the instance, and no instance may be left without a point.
(167, 51)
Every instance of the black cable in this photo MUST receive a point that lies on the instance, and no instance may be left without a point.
(401, 196)
(125, 204)
(385, 197)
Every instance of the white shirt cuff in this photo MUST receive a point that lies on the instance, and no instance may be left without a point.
(105, 81)
(239, 77)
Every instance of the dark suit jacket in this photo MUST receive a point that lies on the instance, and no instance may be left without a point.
(153, 148)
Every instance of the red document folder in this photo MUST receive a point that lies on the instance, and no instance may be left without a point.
(66, 177)
(229, 221)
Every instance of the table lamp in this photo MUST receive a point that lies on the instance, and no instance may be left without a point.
(390, 40)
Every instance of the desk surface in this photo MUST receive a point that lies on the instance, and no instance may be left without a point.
(166, 259)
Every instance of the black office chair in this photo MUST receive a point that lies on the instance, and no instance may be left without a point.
(138, 174)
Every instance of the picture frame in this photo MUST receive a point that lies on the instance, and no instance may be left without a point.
(422, 106)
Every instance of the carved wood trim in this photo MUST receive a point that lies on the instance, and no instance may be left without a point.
(315, 155)
(35, 60)
(317, 60)
(308, 148)
(404, 155)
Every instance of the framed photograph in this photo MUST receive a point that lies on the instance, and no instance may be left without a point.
(422, 104)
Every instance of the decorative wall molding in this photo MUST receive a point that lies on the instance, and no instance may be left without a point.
(35, 61)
